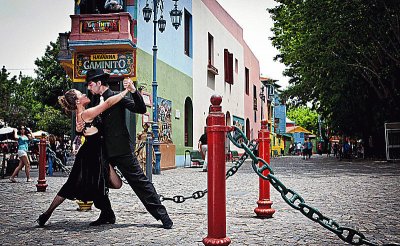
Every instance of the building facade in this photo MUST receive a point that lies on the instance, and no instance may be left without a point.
(206, 55)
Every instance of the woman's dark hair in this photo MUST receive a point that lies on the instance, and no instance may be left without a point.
(68, 101)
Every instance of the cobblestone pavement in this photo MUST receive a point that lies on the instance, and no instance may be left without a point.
(361, 194)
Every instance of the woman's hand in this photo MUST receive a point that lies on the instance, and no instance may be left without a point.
(79, 125)
(128, 84)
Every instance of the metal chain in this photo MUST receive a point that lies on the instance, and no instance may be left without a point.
(57, 161)
(296, 201)
(252, 145)
(123, 179)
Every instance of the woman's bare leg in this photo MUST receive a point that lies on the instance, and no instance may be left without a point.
(25, 160)
(16, 171)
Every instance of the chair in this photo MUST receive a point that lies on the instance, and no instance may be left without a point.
(234, 155)
(195, 158)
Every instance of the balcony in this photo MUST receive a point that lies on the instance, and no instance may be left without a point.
(104, 31)
(212, 69)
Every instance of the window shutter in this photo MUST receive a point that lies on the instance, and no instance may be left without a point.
(230, 66)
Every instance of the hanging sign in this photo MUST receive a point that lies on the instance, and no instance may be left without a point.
(90, 26)
(118, 63)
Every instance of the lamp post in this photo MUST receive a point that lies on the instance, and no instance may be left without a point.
(176, 17)
(262, 97)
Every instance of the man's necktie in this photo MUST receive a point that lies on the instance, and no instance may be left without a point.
(101, 99)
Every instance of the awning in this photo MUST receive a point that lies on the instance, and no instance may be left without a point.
(39, 134)
(294, 129)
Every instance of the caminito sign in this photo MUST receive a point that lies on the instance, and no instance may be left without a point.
(119, 63)
(100, 26)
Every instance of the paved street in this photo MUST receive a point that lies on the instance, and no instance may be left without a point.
(361, 194)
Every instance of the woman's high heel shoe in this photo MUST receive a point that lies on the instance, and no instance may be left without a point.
(43, 218)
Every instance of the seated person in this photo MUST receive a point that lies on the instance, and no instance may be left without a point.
(114, 6)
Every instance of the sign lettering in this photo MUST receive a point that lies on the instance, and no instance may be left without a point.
(119, 64)
(100, 26)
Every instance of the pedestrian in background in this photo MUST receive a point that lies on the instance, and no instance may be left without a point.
(23, 139)
(203, 147)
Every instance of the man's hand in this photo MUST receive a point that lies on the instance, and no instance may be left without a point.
(128, 84)
(79, 125)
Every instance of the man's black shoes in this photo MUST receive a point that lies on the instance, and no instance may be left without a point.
(104, 218)
(166, 222)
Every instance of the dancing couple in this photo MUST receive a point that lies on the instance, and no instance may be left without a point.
(107, 143)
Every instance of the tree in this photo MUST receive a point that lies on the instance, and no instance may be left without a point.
(304, 117)
(50, 83)
(51, 80)
(344, 58)
(53, 120)
(7, 89)
(33, 102)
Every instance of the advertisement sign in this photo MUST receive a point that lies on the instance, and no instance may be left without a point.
(164, 120)
(239, 122)
(118, 63)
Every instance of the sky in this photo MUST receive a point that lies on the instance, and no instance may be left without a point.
(31, 25)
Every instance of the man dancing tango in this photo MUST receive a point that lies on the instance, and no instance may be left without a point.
(119, 151)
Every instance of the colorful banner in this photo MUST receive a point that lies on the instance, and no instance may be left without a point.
(100, 26)
(239, 122)
(164, 108)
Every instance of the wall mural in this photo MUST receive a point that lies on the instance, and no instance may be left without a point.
(164, 107)
(239, 122)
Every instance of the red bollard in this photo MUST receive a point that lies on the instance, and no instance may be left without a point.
(264, 209)
(41, 185)
(216, 198)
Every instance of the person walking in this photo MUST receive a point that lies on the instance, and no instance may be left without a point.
(119, 150)
(203, 147)
(23, 139)
(90, 177)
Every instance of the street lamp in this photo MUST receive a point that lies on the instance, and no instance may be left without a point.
(176, 17)
(262, 97)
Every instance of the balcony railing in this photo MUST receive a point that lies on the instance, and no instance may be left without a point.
(102, 27)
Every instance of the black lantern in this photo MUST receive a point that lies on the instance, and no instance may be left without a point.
(147, 12)
(262, 96)
(161, 24)
(176, 16)
(63, 40)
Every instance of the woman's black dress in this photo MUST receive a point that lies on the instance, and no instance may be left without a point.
(89, 176)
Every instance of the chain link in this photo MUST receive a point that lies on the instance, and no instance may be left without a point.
(294, 200)
(252, 145)
(57, 161)
(180, 199)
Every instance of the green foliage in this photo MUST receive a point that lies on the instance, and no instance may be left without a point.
(51, 80)
(304, 117)
(33, 102)
(7, 89)
(344, 58)
(53, 120)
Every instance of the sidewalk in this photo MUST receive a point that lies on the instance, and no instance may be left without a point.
(362, 195)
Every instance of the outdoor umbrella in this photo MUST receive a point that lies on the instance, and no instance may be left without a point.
(6, 133)
(39, 134)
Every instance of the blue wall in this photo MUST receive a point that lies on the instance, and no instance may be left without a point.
(170, 43)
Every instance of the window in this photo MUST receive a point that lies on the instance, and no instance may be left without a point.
(210, 65)
(188, 34)
(254, 97)
(210, 49)
(236, 66)
(247, 80)
(228, 66)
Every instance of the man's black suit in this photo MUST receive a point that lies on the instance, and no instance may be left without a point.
(119, 152)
